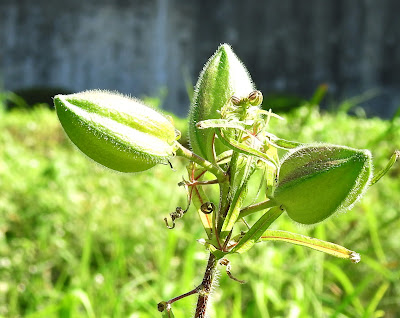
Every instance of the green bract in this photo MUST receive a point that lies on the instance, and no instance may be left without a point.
(223, 76)
(316, 181)
(118, 132)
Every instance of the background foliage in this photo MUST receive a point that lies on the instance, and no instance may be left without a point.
(77, 240)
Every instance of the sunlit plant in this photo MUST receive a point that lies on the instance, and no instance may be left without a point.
(231, 146)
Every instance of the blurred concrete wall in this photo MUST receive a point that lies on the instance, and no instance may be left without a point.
(137, 47)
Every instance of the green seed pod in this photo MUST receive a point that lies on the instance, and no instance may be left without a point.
(116, 131)
(223, 76)
(319, 180)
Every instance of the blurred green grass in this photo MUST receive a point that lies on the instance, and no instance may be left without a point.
(78, 240)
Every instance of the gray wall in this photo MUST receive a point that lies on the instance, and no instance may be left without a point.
(137, 47)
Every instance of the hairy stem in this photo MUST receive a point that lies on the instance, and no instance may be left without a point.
(204, 293)
(257, 207)
(215, 170)
(192, 292)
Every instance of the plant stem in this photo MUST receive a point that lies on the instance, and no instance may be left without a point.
(215, 170)
(204, 293)
(192, 292)
(257, 207)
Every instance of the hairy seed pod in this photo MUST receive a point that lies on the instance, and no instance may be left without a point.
(319, 180)
(255, 98)
(116, 131)
(207, 207)
(223, 76)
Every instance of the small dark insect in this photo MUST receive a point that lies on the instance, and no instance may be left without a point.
(207, 207)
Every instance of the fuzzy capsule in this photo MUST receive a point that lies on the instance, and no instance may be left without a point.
(116, 131)
(316, 181)
(223, 76)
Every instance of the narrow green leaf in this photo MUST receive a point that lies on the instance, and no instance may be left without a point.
(224, 123)
(380, 174)
(271, 172)
(199, 197)
(224, 157)
(240, 174)
(257, 230)
(244, 149)
(380, 268)
(268, 113)
(375, 233)
(316, 244)
(319, 94)
(374, 302)
(84, 300)
(347, 285)
(234, 211)
(284, 144)
(165, 309)
(168, 313)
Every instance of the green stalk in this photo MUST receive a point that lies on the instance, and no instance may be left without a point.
(257, 207)
(215, 170)
(225, 207)
(257, 230)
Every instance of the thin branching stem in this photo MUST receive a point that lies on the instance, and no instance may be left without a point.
(192, 292)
